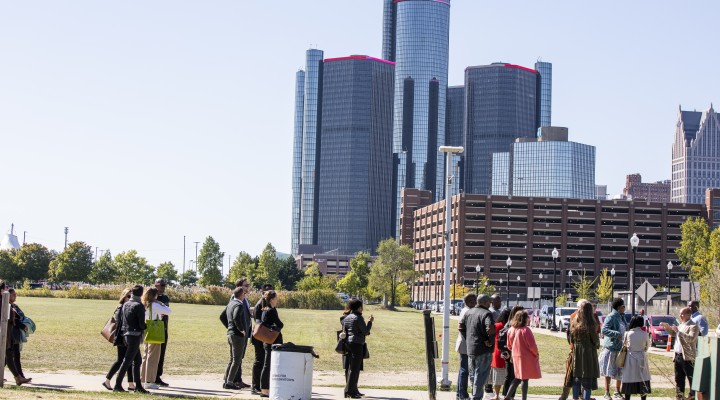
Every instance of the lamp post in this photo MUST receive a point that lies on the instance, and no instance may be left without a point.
(500, 289)
(612, 283)
(477, 278)
(634, 242)
(508, 263)
(426, 292)
(570, 274)
(454, 288)
(540, 285)
(449, 151)
(518, 291)
(438, 275)
(554, 292)
(669, 267)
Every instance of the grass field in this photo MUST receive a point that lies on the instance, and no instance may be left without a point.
(68, 338)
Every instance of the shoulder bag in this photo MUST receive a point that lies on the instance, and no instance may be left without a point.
(265, 334)
(622, 355)
(341, 347)
(155, 330)
(108, 331)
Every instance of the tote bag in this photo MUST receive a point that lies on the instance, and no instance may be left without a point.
(108, 332)
(155, 331)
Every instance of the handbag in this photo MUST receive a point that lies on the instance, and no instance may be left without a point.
(341, 346)
(366, 353)
(108, 331)
(155, 330)
(265, 334)
(622, 355)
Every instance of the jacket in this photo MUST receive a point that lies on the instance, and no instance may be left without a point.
(271, 319)
(526, 359)
(497, 360)
(133, 318)
(478, 329)
(585, 357)
(688, 333)
(356, 328)
(613, 329)
(159, 311)
(235, 312)
(636, 367)
(460, 345)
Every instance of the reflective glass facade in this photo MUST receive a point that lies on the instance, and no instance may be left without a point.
(695, 156)
(422, 29)
(500, 173)
(311, 126)
(388, 47)
(454, 129)
(355, 179)
(500, 107)
(553, 169)
(544, 92)
(297, 160)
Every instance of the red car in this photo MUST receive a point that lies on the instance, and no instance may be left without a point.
(657, 334)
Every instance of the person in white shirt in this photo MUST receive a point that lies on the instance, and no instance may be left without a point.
(153, 310)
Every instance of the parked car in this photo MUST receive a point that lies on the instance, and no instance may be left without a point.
(657, 334)
(562, 317)
(342, 296)
(545, 316)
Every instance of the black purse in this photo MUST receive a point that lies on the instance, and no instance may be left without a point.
(366, 353)
(341, 346)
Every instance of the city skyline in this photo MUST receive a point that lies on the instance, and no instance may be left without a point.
(136, 124)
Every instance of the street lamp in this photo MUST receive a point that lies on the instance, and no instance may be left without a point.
(540, 285)
(454, 289)
(634, 242)
(669, 267)
(426, 292)
(449, 151)
(570, 274)
(508, 262)
(518, 291)
(554, 292)
(438, 274)
(612, 283)
(478, 268)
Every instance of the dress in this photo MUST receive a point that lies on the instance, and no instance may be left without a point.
(613, 329)
(585, 368)
(636, 372)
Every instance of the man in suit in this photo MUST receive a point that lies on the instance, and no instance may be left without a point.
(258, 345)
(160, 285)
(235, 313)
(243, 284)
(686, 336)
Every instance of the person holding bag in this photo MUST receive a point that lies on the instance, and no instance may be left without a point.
(356, 330)
(119, 344)
(271, 320)
(585, 341)
(15, 330)
(132, 331)
(636, 372)
(155, 311)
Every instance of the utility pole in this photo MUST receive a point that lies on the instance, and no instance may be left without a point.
(66, 233)
(24, 233)
(196, 256)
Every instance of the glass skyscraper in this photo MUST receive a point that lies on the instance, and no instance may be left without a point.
(416, 36)
(544, 92)
(297, 160)
(500, 107)
(355, 171)
(695, 156)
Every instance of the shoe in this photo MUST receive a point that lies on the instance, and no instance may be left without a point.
(149, 385)
(141, 389)
(255, 391)
(607, 396)
(160, 382)
(231, 386)
(618, 396)
(264, 395)
(353, 396)
(107, 386)
(242, 385)
(118, 389)
(19, 380)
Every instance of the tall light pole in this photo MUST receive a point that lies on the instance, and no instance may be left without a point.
(570, 274)
(449, 151)
(508, 263)
(438, 275)
(669, 267)
(540, 285)
(554, 291)
(196, 255)
(477, 278)
(426, 292)
(634, 242)
(66, 233)
(518, 291)
(612, 283)
(454, 289)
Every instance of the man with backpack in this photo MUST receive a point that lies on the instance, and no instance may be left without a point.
(478, 329)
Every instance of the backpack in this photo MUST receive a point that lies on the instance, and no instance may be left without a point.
(502, 338)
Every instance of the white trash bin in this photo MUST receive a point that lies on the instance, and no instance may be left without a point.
(291, 370)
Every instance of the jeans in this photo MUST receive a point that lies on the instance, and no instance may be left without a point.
(479, 371)
(161, 363)
(353, 373)
(132, 359)
(12, 360)
(462, 381)
(121, 350)
(265, 375)
(513, 387)
(258, 363)
(576, 391)
(509, 377)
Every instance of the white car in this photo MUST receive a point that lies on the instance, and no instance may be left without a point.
(562, 317)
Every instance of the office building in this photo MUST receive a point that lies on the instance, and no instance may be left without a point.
(500, 101)
(590, 235)
(601, 192)
(695, 156)
(455, 130)
(416, 37)
(712, 203)
(297, 160)
(355, 169)
(636, 189)
(412, 199)
(544, 103)
(546, 166)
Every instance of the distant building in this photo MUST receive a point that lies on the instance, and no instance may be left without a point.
(10, 241)
(657, 191)
(412, 199)
(712, 203)
(601, 192)
(695, 156)
(455, 130)
(545, 93)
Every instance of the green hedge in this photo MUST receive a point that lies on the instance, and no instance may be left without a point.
(319, 299)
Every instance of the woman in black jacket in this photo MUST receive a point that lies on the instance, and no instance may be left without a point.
(270, 319)
(120, 344)
(356, 330)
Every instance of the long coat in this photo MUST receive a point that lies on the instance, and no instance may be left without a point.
(526, 359)
(636, 367)
(585, 356)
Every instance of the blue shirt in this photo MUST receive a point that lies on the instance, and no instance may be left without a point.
(701, 322)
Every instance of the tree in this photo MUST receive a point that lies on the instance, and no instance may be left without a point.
(33, 261)
(167, 271)
(711, 298)
(209, 262)
(8, 267)
(103, 270)
(583, 287)
(694, 244)
(132, 268)
(561, 300)
(604, 289)
(394, 265)
(356, 280)
(484, 286)
(313, 279)
(268, 266)
(289, 274)
(244, 266)
(188, 278)
(73, 264)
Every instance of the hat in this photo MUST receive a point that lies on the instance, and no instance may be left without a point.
(160, 281)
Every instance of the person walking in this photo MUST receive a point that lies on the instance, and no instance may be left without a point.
(525, 356)
(160, 285)
(245, 285)
(154, 311)
(498, 366)
(119, 343)
(16, 330)
(636, 371)
(478, 330)
(356, 331)
(584, 341)
(698, 318)
(469, 301)
(235, 313)
(271, 319)
(686, 337)
(133, 328)
(613, 329)
(258, 345)
(505, 352)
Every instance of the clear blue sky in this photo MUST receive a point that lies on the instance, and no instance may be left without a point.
(137, 122)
